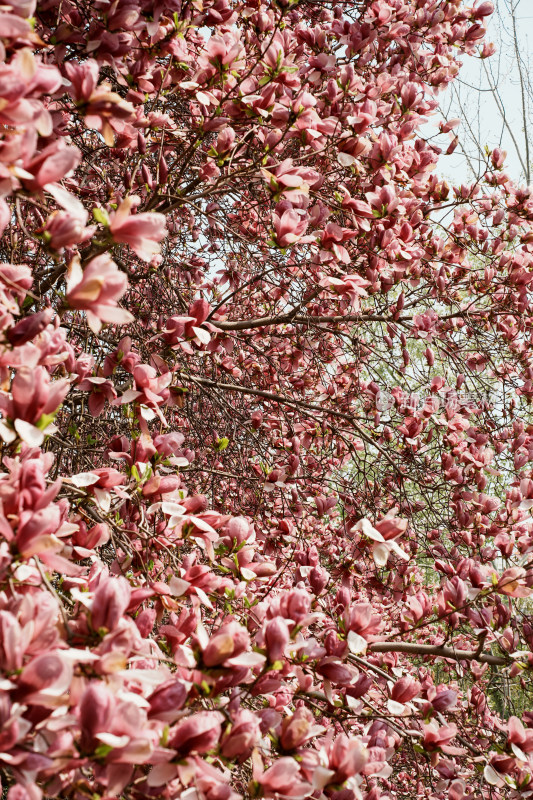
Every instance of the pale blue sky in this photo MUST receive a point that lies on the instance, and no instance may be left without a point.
(488, 97)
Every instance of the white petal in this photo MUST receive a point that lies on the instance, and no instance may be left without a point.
(29, 433)
(112, 740)
(202, 335)
(380, 552)
(203, 597)
(67, 201)
(369, 531)
(83, 479)
(172, 509)
(491, 776)
(346, 160)
(178, 586)
(147, 413)
(356, 643)
(396, 709)
(6, 434)
(103, 499)
(247, 660)
(398, 550)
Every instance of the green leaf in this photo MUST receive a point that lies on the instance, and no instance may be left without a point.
(164, 736)
(100, 215)
(102, 750)
(44, 421)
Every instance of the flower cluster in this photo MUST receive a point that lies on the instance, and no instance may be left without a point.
(227, 570)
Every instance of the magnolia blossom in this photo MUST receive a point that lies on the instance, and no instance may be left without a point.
(202, 596)
(96, 290)
(384, 533)
(103, 108)
(142, 232)
(289, 227)
(31, 405)
(62, 230)
(229, 641)
(283, 779)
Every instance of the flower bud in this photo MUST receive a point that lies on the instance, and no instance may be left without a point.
(276, 638)
(110, 601)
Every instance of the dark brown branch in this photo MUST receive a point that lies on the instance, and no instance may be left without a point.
(437, 650)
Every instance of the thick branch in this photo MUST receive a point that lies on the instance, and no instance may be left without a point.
(437, 650)
(306, 319)
(280, 319)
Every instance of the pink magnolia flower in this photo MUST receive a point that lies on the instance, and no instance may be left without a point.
(62, 230)
(277, 637)
(207, 782)
(199, 310)
(438, 738)
(347, 757)
(283, 779)
(110, 601)
(96, 710)
(336, 671)
(384, 535)
(15, 281)
(289, 177)
(405, 689)
(5, 215)
(46, 679)
(484, 9)
(28, 328)
(178, 328)
(100, 390)
(241, 736)
(294, 605)
(142, 232)
(51, 164)
(167, 700)
(360, 618)
(297, 729)
(225, 141)
(35, 533)
(441, 698)
(123, 356)
(168, 444)
(151, 391)
(198, 733)
(108, 477)
(229, 641)
(161, 484)
(512, 583)
(85, 541)
(104, 110)
(331, 240)
(121, 726)
(222, 53)
(498, 158)
(520, 738)
(83, 78)
(97, 290)
(33, 396)
(289, 227)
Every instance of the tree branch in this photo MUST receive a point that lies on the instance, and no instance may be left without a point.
(437, 650)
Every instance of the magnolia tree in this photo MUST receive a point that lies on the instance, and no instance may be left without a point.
(267, 479)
